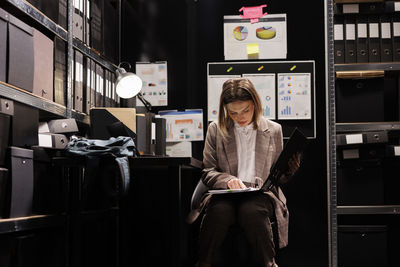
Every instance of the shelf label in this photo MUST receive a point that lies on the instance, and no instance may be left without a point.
(397, 150)
(354, 139)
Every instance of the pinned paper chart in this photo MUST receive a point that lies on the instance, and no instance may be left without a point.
(155, 84)
(214, 90)
(265, 87)
(294, 96)
(269, 34)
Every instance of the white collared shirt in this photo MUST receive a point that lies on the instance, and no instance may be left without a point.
(246, 151)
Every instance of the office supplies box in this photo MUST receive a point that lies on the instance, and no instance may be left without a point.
(24, 124)
(360, 100)
(103, 122)
(50, 186)
(4, 133)
(63, 126)
(3, 44)
(52, 140)
(362, 245)
(43, 68)
(20, 54)
(21, 189)
(3, 191)
(360, 182)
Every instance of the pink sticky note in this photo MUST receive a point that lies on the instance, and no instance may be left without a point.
(253, 12)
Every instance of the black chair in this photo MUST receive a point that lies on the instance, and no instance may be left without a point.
(235, 250)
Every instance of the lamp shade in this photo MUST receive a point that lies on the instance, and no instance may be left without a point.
(127, 84)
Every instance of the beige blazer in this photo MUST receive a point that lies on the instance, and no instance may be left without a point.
(221, 164)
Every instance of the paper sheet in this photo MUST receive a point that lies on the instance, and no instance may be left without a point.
(269, 35)
(294, 96)
(214, 90)
(155, 83)
(265, 87)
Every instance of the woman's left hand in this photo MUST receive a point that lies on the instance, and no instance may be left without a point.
(294, 164)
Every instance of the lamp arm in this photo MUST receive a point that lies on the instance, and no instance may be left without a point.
(144, 101)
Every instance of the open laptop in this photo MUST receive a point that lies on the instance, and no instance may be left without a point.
(296, 144)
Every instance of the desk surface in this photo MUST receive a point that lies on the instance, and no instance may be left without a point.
(154, 161)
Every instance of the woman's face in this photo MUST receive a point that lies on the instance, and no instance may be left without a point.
(241, 112)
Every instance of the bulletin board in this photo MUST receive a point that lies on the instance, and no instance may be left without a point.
(286, 89)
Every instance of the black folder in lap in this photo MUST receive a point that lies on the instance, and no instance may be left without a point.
(296, 144)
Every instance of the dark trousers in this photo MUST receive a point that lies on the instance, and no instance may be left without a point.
(251, 211)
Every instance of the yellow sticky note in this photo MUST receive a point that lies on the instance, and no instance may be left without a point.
(252, 49)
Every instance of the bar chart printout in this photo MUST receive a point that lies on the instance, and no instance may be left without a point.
(294, 96)
(265, 86)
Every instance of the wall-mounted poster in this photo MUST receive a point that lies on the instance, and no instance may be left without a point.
(294, 96)
(265, 87)
(214, 90)
(265, 39)
(155, 83)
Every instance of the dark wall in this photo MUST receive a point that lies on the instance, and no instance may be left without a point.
(188, 34)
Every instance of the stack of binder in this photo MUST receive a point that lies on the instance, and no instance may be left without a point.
(367, 32)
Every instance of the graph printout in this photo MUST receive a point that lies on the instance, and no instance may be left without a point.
(294, 96)
(265, 87)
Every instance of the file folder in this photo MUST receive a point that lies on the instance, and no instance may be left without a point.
(77, 19)
(62, 13)
(43, 68)
(20, 54)
(386, 38)
(60, 68)
(396, 36)
(350, 53)
(78, 82)
(92, 83)
(374, 39)
(339, 40)
(88, 84)
(3, 44)
(362, 39)
(86, 16)
(110, 30)
(96, 37)
(99, 86)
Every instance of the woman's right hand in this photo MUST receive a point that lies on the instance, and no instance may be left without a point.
(236, 183)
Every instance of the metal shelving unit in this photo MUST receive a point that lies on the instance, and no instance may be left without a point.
(22, 96)
(31, 222)
(358, 70)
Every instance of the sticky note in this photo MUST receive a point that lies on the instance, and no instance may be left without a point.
(252, 49)
(253, 13)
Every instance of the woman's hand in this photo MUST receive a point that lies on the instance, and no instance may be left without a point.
(294, 164)
(236, 183)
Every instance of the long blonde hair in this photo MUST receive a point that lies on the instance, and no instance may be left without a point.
(238, 89)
